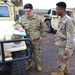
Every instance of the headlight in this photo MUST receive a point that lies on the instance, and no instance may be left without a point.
(7, 37)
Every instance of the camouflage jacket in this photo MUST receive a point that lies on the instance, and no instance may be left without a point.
(34, 26)
(65, 32)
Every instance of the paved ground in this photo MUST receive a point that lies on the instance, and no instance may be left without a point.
(49, 56)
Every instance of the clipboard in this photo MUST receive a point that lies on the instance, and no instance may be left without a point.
(18, 33)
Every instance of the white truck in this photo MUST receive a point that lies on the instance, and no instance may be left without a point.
(12, 47)
(51, 19)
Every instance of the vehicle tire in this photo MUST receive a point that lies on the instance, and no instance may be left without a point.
(49, 27)
(18, 67)
(4, 69)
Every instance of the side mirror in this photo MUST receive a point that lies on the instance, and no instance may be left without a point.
(16, 17)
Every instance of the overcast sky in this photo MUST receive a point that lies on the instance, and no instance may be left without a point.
(47, 4)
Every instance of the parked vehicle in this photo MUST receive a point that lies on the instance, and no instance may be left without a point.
(51, 19)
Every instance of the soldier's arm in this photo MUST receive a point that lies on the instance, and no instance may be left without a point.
(42, 28)
(70, 35)
(18, 24)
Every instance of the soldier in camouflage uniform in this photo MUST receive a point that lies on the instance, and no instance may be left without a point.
(64, 39)
(35, 29)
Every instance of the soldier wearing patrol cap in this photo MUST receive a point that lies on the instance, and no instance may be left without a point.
(64, 39)
(35, 29)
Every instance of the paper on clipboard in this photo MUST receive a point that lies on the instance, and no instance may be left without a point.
(18, 33)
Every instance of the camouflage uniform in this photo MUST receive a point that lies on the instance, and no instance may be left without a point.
(35, 28)
(64, 40)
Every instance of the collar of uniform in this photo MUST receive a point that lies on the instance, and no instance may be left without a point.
(31, 17)
(61, 19)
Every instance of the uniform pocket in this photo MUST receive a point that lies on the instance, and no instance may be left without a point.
(35, 35)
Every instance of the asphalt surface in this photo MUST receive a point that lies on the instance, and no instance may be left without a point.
(49, 54)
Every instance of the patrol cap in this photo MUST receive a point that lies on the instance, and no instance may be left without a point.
(61, 4)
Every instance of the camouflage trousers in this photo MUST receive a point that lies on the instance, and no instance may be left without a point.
(63, 59)
(35, 52)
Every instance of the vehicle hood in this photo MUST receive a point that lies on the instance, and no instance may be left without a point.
(6, 28)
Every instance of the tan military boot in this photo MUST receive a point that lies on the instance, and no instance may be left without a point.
(29, 65)
(67, 69)
(57, 73)
(38, 67)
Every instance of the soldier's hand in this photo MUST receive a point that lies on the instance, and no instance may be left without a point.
(66, 52)
(41, 38)
(21, 29)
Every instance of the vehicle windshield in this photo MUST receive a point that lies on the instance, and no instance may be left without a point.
(4, 12)
(54, 12)
(21, 12)
(68, 13)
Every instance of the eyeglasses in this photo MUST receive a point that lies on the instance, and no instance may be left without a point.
(28, 11)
